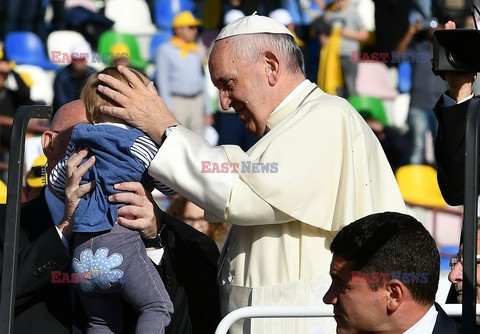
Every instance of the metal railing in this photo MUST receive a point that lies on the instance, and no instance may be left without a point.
(12, 216)
(252, 312)
(469, 230)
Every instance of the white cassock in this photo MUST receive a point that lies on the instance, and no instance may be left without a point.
(331, 170)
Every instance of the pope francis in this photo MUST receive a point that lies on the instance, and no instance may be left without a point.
(329, 170)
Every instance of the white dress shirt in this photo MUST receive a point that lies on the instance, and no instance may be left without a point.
(426, 324)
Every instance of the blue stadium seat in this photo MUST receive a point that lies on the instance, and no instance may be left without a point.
(24, 47)
(157, 40)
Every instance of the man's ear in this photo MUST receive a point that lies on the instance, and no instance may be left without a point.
(47, 144)
(272, 67)
(395, 294)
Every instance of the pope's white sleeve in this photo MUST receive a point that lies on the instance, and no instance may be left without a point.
(178, 165)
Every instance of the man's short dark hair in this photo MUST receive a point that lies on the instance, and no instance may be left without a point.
(392, 242)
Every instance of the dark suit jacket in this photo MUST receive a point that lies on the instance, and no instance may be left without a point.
(445, 324)
(450, 150)
(41, 307)
(193, 257)
(188, 269)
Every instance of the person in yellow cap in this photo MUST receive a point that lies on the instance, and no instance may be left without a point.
(180, 76)
(35, 179)
(123, 52)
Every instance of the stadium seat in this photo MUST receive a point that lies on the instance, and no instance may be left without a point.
(41, 84)
(110, 41)
(130, 16)
(157, 40)
(369, 107)
(24, 47)
(63, 41)
(165, 10)
(418, 185)
(3, 192)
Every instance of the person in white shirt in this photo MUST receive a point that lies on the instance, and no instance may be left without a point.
(385, 272)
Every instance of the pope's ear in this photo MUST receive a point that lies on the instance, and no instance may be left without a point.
(272, 67)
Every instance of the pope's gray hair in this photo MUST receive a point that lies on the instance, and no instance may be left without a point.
(252, 46)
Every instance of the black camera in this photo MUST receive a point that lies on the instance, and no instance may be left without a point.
(456, 50)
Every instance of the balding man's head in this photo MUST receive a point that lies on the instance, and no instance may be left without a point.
(55, 141)
(68, 116)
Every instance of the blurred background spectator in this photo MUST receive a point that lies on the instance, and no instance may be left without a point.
(25, 15)
(180, 76)
(69, 81)
(425, 87)
(13, 94)
(84, 16)
(191, 214)
(352, 32)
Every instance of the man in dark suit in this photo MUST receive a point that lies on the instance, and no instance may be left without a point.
(45, 307)
(43, 249)
(385, 272)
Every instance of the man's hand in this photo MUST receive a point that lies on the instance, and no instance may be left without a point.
(139, 214)
(139, 105)
(460, 83)
(73, 190)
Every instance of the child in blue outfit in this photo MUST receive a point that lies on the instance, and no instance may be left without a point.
(111, 259)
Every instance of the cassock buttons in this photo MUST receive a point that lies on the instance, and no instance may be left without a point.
(36, 273)
(51, 263)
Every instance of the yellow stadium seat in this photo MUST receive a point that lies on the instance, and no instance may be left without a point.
(3, 193)
(418, 185)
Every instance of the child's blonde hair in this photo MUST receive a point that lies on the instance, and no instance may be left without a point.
(93, 99)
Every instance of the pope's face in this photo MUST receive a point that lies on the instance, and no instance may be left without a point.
(357, 308)
(242, 86)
